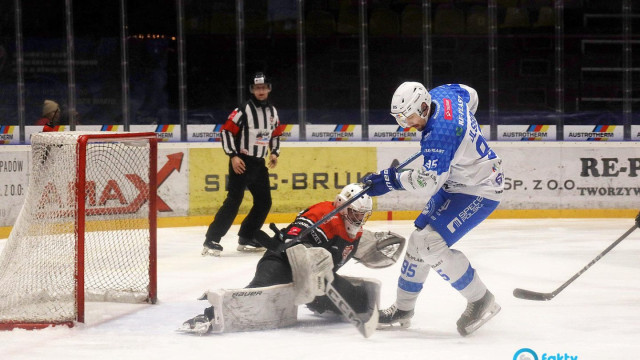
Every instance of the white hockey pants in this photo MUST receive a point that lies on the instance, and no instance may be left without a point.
(427, 249)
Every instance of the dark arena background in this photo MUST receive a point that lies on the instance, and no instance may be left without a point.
(186, 62)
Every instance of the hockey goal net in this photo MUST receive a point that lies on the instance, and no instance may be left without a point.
(86, 231)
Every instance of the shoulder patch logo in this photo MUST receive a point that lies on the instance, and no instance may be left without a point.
(448, 110)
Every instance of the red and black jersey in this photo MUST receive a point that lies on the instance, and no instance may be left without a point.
(252, 129)
(331, 235)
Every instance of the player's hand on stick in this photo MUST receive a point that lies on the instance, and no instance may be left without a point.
(238, 165)
(382, 183)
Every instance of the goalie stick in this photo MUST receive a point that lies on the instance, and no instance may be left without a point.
(353, 199)
(365, 327)
(540, 296)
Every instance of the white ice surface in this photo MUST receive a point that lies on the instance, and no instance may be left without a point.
(596, 317)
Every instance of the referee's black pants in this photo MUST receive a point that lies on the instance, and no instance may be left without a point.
(256, 179)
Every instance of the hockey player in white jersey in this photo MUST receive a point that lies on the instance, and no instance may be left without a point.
(461, 181)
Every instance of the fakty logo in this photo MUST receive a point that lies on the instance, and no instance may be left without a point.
(528, 354)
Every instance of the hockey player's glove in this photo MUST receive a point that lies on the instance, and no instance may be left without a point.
(382, 183)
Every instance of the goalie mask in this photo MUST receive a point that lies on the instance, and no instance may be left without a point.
(357, 213)
(407, 100)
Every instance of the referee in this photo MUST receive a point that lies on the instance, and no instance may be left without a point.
(251, 133)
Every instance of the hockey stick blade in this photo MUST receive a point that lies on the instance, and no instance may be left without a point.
(532, 295)
(538, 296)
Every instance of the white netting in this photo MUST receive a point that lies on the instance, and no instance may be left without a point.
(38, 263)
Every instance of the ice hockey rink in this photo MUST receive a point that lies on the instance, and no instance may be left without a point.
(596, 317)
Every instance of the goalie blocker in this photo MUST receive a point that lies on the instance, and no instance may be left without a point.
(314, 284)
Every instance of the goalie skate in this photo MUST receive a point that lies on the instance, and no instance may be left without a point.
(477, 314)
(198, 325)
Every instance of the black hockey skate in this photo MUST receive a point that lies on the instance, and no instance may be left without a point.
(211, 248)
(477, 314)
(249, 245)
(392, 315)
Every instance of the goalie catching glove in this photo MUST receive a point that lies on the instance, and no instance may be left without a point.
(376, 250)
(379, 249)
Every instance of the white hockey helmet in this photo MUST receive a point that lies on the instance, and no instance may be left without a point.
(408, 100)
(358, 212)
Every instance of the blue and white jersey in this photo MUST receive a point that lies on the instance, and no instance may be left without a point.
(456, 156)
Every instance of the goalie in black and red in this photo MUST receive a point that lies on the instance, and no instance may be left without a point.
(300, 271)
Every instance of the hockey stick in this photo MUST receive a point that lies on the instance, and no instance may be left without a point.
(306, 231)
(366, 328)
(539, 296)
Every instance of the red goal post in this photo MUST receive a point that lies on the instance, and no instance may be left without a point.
(86, 231)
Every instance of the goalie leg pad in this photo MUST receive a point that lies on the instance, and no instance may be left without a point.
(312, 269)
(248, 309)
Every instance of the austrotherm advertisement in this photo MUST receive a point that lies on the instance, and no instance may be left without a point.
(192, 178)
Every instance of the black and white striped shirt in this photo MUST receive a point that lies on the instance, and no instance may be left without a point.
(252, 129)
